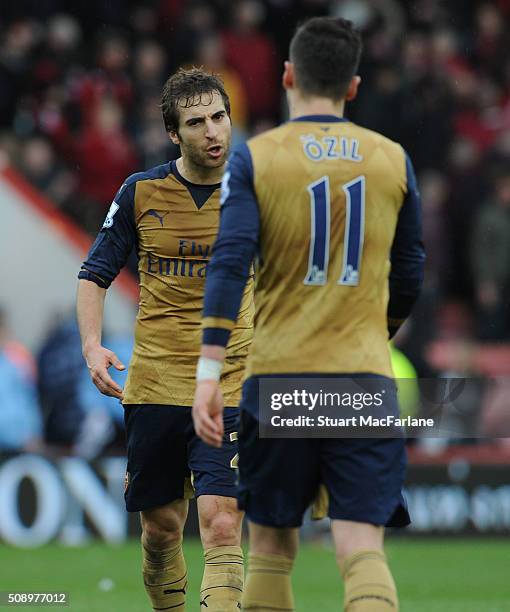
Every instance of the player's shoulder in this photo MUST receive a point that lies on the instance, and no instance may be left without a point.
(376, 139)
(260, 150)
(381, 156)
(125, 195)
(157, 172)
(273, 135)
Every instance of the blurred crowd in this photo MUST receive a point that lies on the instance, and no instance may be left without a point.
(79, 111)
(48, 403)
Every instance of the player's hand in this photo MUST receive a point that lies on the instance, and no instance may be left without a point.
(99, 359)
(208, 412)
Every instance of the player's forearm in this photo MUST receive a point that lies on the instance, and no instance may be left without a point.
(213, 351)
(90, 307)
(399, 308)
(221, 308)
(405, 283)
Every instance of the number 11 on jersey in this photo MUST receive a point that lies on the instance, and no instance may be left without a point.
(320, 210)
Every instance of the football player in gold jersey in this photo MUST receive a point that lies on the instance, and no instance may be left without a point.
(170, 215)
(330, 212)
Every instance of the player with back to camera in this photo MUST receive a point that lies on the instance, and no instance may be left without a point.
(323, 206)
(170, 214)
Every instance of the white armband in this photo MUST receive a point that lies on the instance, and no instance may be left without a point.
(209, 369)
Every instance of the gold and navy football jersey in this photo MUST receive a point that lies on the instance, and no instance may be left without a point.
(327, 209)
(172, 224)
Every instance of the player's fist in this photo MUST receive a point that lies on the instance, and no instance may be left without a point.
(208, 412)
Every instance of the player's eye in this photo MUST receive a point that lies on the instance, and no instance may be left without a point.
(193, 122)
(219, 116)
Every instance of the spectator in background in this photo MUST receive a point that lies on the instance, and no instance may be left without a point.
(386, 15)
(153, 145)
(198, 20)
(380, 109)
(59, 52)
(44, 170)
(434, 195)
(20, 418)
(491, 45)
(211, 54)
(110, 80)
(253, 55)
(490, 261)
(425, 103)
(60, 365)
(105, 155)
(150, 69)
(104, 415)
(16, 47)
(170, 14)
(466, 176)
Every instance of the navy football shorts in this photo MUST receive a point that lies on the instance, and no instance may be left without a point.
(279, 478)
(168, 461)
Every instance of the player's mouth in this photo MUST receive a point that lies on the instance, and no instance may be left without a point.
(215, 151)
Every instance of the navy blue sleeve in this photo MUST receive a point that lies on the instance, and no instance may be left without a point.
(114, 242)
(234, 249)
(407, 256)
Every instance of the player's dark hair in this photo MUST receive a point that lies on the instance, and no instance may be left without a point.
(325, 52)
(187, 88)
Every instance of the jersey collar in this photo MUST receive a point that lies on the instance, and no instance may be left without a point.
(322, 118)
(199, 193)
(189, 184)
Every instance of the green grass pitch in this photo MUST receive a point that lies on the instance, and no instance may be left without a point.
(440, 575)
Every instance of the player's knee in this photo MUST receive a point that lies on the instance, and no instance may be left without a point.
(350, 537)
(161, 531)
(221, 529)
(274, 541)
(284, 547)
(160, 536)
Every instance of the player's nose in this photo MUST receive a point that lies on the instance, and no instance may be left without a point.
(211, 129)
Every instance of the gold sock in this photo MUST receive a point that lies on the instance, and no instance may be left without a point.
(268, 585)
(369, 585)
(222, 584)
(165, 577)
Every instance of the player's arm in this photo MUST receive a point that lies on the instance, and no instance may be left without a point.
(227, 274)
(105, 260)
(407, 256)
(89, 306)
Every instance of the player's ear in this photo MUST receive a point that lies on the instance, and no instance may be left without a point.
(288, 77)
(174, 137)
(352, 90)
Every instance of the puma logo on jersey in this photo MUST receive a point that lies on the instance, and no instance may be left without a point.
(154, 213)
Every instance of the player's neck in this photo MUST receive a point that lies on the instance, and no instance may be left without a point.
(302, 107)
(199, 175)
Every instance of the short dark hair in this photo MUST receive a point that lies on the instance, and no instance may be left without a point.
(325, 52)
(184, 88)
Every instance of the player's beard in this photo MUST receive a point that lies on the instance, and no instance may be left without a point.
(199, 158)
